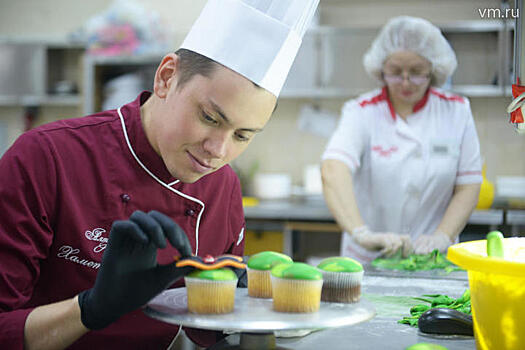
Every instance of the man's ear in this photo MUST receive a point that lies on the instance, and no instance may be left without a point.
(166, 75)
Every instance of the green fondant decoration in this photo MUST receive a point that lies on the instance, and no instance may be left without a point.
(266, 260)
(214, 275)
(340, 264)
(495, 244)
(414, 262)
(437, 301)
(297, 271)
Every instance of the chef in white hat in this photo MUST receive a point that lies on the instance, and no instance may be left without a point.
(403, 168)
(94, 209)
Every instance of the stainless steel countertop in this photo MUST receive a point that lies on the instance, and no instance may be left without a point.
(316, 210)
(515, 217)
(392, 298)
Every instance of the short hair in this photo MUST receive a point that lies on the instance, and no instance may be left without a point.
(192, 63)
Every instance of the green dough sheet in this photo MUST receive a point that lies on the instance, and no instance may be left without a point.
(430, 261)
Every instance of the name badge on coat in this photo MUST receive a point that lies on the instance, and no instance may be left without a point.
(444, 148)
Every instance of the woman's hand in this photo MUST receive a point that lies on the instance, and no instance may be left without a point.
(425, 244)
(387, 242)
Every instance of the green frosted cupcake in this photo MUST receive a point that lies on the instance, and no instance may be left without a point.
(342, 279)
(296, 287)
(211, 291)
(259, 265)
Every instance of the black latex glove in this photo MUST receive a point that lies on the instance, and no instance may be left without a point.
(242, 276)
(129, 275)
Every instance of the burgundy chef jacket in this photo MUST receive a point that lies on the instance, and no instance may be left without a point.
(62, 186)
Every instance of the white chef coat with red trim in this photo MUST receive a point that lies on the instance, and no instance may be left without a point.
(404, 171)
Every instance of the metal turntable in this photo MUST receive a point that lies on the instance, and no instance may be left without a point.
(254, 318)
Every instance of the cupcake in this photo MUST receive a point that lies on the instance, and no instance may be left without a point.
(341, 279)
(211, 291)
(259, 265)
(296, 287)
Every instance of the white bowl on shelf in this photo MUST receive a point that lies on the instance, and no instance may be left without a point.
(272, 185)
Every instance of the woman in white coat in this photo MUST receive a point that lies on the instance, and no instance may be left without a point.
(403, 169)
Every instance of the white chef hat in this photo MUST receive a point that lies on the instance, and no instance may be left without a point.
(258, 39)
(406, 33)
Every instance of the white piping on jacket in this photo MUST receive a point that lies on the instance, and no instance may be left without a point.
(163, 183)
(172, 344)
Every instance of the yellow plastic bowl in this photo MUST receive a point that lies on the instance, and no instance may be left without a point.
(497, 288)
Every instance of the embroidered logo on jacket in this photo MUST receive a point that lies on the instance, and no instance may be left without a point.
(382, 152)
(70, 254)
(96, 236)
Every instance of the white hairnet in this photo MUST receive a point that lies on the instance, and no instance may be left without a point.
(414, 34)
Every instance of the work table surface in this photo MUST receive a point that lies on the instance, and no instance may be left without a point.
(391, 293)
(317, 210)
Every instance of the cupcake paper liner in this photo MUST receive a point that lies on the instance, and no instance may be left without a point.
(341, 287)
(296, 295)
(259, 283)
(210, 297)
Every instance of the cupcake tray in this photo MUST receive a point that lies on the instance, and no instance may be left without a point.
(253, 315)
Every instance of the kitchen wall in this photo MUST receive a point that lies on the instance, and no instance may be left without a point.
(282, 147)
(59, 17)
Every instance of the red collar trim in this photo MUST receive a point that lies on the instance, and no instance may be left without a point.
(421, 103)
(383, 96)
(417, 107)
(389, 102)
(450, 97)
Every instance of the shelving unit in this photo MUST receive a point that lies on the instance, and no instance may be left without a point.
(329, 62)
(35, 68)
(46, 100)
(328, 65)
(99, 69)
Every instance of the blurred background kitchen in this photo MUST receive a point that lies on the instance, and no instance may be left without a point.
(63, 59)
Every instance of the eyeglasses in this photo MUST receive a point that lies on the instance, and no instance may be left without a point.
(416, 79)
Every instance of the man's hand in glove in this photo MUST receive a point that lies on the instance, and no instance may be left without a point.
(387, 242)
(129, 275)
(242, 277)
(424, 244)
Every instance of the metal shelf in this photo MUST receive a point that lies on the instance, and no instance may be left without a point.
(36, 64)
(331, 92)
(314, 92)
(482, 90)
(49, 100)
(283, 210)
(62, 100)
(515, 217)
(476, 26)
(322, 92)
(47, 41)
(324, 51)
(470, 26)
(486, 217)
(151, 58)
